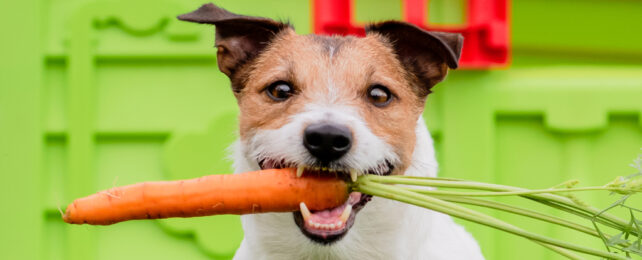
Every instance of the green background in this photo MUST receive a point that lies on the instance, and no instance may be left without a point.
(101, 93)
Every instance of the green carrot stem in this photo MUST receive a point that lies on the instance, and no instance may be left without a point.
(434, 182)
(447, 195)
(395, 193)
(526, 213)
(512, 193)
(520, 211)
(583, 214)
(562, 251)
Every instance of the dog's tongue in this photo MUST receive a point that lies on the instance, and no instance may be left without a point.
(334, 218)
(328, 216)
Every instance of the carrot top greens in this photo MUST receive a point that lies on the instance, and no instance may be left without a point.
(625, 242)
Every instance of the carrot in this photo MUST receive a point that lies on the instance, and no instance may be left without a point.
(275, 190)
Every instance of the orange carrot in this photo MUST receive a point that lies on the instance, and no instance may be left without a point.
(276, 190)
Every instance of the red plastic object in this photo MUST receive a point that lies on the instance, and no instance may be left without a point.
(486, 32)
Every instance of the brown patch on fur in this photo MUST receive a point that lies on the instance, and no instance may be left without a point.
(334, 70)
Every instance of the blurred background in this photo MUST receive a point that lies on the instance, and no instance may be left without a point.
(101, 93)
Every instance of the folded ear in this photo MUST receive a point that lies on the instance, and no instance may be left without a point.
(239, 38)
(425, 54)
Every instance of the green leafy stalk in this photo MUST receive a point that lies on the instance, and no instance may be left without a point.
(522, 212)
(420, 191)
(400, 194)
(535, 215)
(557, 201)
(524, 192)
(402, 198)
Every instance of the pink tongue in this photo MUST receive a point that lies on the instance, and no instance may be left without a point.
(331, 216)
(328, 216)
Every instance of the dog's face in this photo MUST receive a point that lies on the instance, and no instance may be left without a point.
(329, 105)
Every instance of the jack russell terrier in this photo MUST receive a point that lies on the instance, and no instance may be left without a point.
(338, 105)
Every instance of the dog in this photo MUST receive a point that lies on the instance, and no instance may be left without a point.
(340, 105)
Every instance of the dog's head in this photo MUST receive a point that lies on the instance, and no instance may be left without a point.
(329, 104)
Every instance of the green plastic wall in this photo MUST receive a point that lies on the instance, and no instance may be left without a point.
(101, 93)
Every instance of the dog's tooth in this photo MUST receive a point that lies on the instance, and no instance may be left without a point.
(353, 175)
(305, 212)
(346, 213)
(316, 225)
(299, 171)
(332, 226)
(339, 223)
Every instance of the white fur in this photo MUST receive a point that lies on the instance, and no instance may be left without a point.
(383, 229)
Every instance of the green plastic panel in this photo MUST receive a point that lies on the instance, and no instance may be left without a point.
(101, 93)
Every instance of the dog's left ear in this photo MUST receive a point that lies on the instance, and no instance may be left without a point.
(425, 54)
(239, 38)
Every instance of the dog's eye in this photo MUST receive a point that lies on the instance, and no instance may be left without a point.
(279, 91)
(379, 95)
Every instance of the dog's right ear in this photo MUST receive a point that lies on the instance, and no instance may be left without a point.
(239, 38)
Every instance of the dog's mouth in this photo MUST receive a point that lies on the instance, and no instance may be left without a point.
(329, 225)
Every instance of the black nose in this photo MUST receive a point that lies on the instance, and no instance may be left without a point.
(327, 142)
